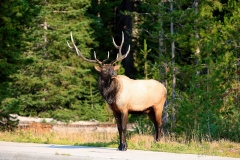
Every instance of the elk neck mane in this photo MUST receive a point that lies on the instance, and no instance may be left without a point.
(108, 89)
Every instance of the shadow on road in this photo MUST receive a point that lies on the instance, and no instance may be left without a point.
(81, 147)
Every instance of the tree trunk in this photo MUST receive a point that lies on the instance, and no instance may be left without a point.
(197, 52)
(123, 23)
(173, 67)
(162, 69)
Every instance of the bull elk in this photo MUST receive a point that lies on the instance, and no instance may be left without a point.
(125, 95)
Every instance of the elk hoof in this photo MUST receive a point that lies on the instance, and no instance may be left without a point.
(122, 147)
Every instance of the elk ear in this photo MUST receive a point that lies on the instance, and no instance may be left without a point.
(116, 67)
(98, 68)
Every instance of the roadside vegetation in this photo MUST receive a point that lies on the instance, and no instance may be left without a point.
(169, 143)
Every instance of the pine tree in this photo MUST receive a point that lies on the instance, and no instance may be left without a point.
(206, 56)
(55, 82)
(204, 97)
(15, 17)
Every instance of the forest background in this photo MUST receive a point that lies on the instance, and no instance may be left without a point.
(192, 47)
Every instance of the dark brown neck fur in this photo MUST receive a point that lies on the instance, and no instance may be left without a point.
(108, 89)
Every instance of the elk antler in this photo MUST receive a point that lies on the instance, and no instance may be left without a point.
(85, 59)
(120, 50)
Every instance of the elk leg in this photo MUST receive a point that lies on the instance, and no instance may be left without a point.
(157, 122)
(122, 127)
(123, 143)
(151, 115)
(158, 118)
(119, 126)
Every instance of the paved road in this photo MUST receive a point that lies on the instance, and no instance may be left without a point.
(31, 151)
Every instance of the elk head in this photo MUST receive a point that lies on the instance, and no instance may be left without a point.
(107, 71)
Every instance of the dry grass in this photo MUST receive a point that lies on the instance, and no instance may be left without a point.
(135, 141)
(171, 144)
(58, 138)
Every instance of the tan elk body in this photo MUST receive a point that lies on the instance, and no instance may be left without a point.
(139, 95)
(125, 95)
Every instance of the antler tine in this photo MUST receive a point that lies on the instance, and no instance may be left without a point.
(120, 50)
(98, 61)
(105, 59)
(80, 54)
(114, 43)
(69, 45)
(122, 56)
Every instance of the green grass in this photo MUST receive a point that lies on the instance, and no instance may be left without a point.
(138, 142)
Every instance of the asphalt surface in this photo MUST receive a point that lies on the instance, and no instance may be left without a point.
(32, 151)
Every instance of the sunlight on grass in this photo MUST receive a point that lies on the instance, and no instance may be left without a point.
(135, 141)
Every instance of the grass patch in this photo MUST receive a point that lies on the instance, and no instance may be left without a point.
(138, 142)
(62, 154)
(170, 144)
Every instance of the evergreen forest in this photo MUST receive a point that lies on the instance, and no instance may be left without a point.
(192, 47)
